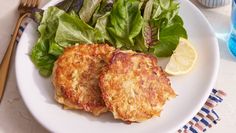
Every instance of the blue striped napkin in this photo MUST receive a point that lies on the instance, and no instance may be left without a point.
(203, 120)
(207, 116)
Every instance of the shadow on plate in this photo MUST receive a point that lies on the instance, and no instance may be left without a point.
(45, 87)
(105, 117)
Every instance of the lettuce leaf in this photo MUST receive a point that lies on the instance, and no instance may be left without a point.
(72, 29)
(101, 26)
(65, 5)
(75, 6)
(88, 9)
(40, 55)
(125, 23)
(139, 44)
(168, 40)
(58, 30)
(149, 26)
(41, 58)
(162, 27)
(105, 7)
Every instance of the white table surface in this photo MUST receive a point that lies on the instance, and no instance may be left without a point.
(15, 118)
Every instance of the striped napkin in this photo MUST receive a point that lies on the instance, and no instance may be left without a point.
(207, 116)
(203, 120)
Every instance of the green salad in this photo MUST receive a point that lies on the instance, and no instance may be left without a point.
(148, 26)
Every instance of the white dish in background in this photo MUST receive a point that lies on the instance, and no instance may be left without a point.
(214, 3)
(192, 88)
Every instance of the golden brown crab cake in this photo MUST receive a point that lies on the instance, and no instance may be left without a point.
(76, 76)
(134, 87)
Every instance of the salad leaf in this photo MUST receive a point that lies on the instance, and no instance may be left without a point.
(162, 27)
(149, 26)
(40, 55)
(139, 44)
(105, 7)
(65, 5)
(76, 6)
(55, 49)
(49, 23)
(37, 15)
(151, 31)
(148, 10)
(58, 30)
(88, 9)
(70, 5)
(72, 29)
(125, 23)
(169, 39)
(101, 26)
(165, 4)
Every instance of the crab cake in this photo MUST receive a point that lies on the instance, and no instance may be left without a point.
(134, 87)
(76, 76)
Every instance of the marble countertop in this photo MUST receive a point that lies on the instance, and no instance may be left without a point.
(14, 116)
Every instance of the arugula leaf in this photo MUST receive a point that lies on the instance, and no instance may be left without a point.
(125, 23)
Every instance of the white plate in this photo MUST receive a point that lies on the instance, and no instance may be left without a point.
(192, 88)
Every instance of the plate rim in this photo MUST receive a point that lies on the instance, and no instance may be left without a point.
(214, 76)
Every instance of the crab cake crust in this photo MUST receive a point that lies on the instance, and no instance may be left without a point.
(76, 76)
(134, 87)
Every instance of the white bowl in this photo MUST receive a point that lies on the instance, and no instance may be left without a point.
(214, 3)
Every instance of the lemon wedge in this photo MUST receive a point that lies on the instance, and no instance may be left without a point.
(183, 58)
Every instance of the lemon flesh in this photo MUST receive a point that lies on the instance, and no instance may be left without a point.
(183, 58)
